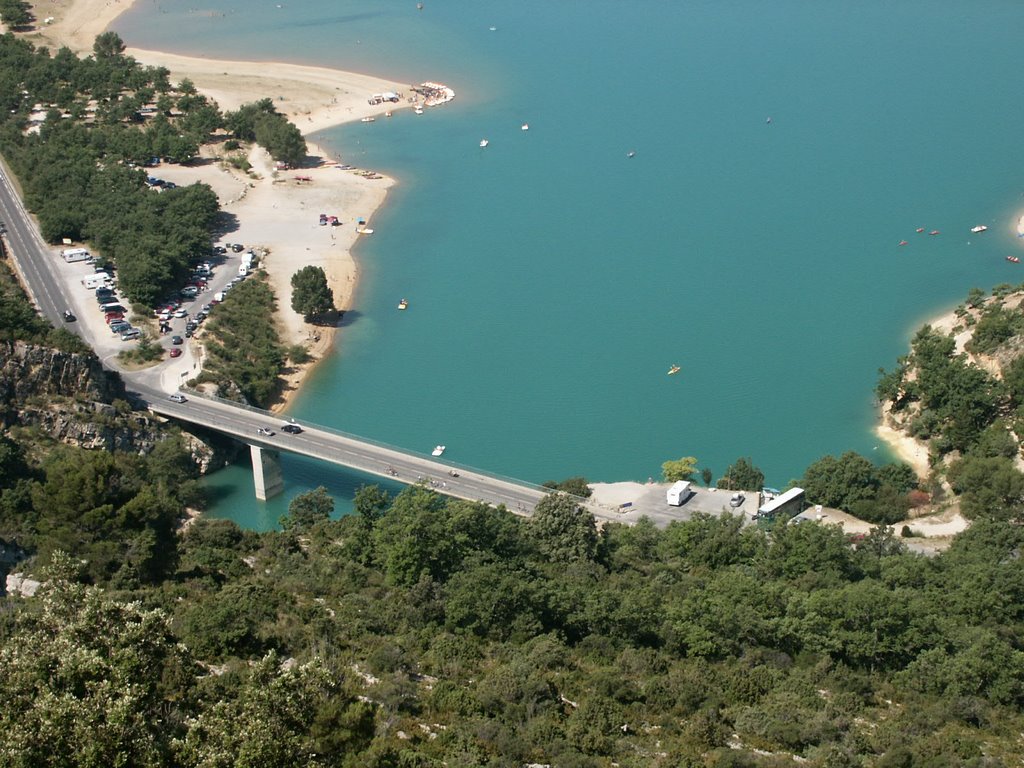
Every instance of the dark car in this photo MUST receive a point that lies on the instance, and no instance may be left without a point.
(291, 429)
(177, 340)
(69, 316)
(237, 247)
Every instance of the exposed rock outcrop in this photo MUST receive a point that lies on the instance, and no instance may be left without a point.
(73, 399)
(29, 370)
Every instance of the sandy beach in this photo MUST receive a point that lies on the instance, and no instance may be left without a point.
(273, 211)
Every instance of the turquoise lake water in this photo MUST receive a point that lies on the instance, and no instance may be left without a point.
(553, 280)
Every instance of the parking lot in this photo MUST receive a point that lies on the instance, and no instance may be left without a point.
(631, 501)
(172, 328)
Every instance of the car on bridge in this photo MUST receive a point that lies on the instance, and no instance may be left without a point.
(178, 398)
(292, 429)
(265, 431)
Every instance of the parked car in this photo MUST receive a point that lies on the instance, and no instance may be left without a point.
(131, 333)
(237, 247)
(119, 326)
(736, 500)
(178, 398)
(112, 316)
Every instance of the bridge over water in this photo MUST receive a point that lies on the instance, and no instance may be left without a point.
(359, 453)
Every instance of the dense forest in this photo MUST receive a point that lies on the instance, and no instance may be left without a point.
(427, 631)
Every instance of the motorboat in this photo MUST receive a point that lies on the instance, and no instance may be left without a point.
(631, 153)
(367, 119)
(673, 370)
(364, 231)
(438, 450)
(418, 110)
(1014, 259)
(903, 242)
(979, 228)
(934, 232)
(484, 142)
(403, 304)
(919, 230)
(526, 126)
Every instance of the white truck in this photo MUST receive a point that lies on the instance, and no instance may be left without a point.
(678, 493)
(72, 255)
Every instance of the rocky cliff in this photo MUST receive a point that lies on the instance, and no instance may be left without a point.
(73, 399)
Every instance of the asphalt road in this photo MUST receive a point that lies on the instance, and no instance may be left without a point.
(324, 445)
(33, 256)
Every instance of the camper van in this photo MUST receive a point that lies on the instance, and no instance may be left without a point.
(96, 280)
(72, 255)
(678, 493)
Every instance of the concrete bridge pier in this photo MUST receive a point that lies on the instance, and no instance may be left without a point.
(266, 472)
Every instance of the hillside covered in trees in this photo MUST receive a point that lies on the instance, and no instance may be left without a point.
(961, 392)
(425, 631)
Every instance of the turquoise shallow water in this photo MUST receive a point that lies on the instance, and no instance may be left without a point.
(553, 280)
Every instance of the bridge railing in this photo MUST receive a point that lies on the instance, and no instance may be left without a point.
(583, 501)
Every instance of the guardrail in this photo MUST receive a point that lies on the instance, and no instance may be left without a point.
(581, 500)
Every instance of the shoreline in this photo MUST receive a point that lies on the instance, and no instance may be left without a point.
(903, 446)
(271, 207)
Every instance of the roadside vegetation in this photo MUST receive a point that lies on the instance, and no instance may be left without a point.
(20, 322)
(143, 353)
(244, 353)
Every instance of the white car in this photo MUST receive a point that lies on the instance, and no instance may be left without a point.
(265, 431)
(178, 398)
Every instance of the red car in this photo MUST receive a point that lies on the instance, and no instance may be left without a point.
(112, 316)
(174, 352)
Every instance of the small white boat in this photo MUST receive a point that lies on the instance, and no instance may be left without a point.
(364, 231)
(631, 153)
(979, 228)
(418, 109)
(438, 450)
(484, 142)
(403, 304)
(367, 119)
(526, 126)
